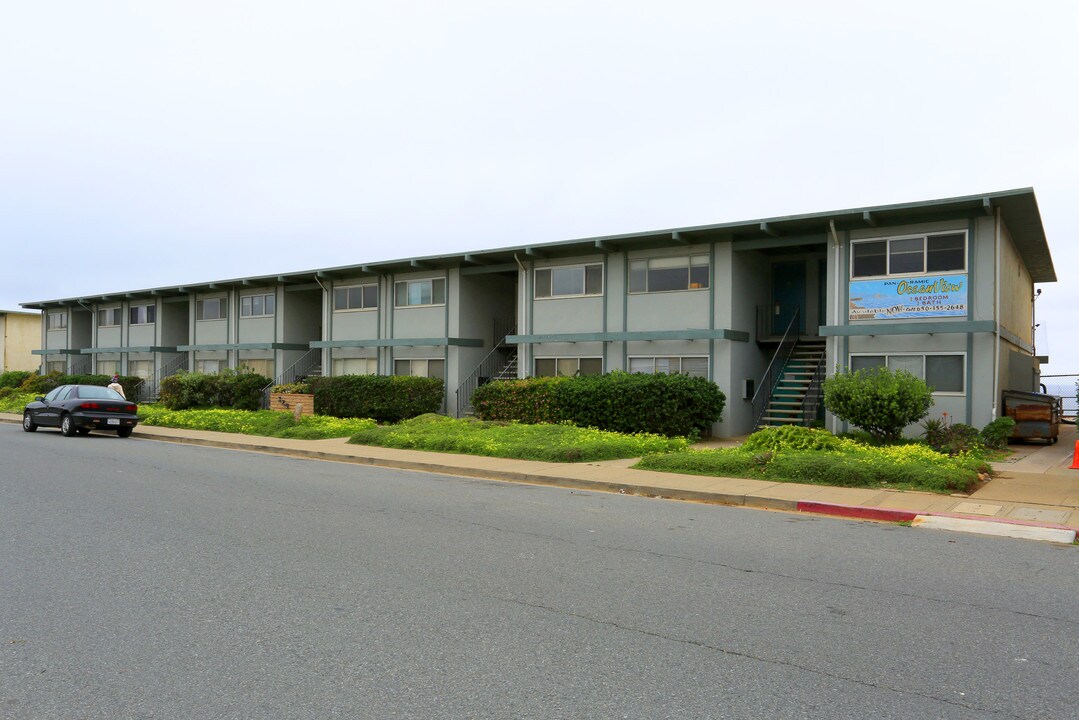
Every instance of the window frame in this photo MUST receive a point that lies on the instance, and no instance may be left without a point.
(61, 320)
(584, 281)
(133, 314)
(925, 238)
(688, 267)
(363, 305)
(250, 302)
(556, 358)
(427, 367)
(408, 291)
(923, 356)
(680, 358)
(116, 312)
(200, 312)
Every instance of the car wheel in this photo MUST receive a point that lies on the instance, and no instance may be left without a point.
(82, 431)
(124, 432)
(28, 423)
(67, 426)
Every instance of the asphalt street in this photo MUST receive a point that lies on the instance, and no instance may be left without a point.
(141, 579)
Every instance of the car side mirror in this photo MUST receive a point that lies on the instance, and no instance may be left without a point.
(40, 398)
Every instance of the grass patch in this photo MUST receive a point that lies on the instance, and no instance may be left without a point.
(551, 443)
(13, 401)
(267, 423)
(900, 467)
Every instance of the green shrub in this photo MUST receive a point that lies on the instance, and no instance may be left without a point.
(14, 378)
(385, 398)
(41, 384)
(671, 405)
(296, 387)
(995, 435)
(230, 389)
(791, 437)
(879, 401)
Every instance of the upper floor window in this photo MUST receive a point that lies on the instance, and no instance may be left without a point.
(431, 291)
(56, 320)
(909, 255)
(108, 317)
(142, 314)
(257, 305)
(569, 281)
(668, 273)
(356, 297)
(211, 309)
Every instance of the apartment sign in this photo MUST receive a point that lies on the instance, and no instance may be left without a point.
(903, 298)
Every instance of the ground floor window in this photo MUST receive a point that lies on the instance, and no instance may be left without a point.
(260, 366)
(55, 366)
(141, 368)
(568, 366)
(694, 366)
(421, 368)
(944, 372)
(108, 367)
(355, 366)
(208, 367)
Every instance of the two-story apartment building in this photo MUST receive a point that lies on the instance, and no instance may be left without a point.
(942, 288)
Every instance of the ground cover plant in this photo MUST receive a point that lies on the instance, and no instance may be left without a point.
(267, 423)
(549, 442)
(817, 457)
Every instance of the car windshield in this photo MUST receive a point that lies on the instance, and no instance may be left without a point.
(94, 392)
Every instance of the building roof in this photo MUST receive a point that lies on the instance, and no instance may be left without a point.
(1018, 208)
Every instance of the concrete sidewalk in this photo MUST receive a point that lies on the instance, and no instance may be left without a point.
(1035, 490)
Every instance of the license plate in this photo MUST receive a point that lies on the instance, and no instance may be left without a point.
(114, 421)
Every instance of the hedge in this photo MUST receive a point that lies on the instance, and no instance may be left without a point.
(41, 384)
(672, 405)
(384, 398)
(228, 389)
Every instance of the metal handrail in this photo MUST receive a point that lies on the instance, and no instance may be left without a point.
(150, 390)
(487, 368)
(814, 393)
(774, 373)
(299, 369)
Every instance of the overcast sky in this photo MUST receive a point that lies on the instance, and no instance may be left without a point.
(157, 143)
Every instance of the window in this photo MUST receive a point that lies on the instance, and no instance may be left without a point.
(694, 366)
(257, 305)
(420, 368)
(355, 366)
(55, 366)
(109, 317)
(211, 309)
(141, 368)
(142, 314)
(356, 297)
(569, 281)
(108, 367)
(667, 274)
(420, 292)
(568, 366)
(208, 367)
(260, 366)
(945, 373)
(56, 320)
(909, 255)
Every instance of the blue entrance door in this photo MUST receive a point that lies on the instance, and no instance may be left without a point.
(788, 295)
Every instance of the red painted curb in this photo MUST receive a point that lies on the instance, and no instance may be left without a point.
(855, 511)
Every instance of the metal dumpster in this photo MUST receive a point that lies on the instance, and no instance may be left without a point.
(1037, 416)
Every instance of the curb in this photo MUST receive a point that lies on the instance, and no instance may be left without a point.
(1001, 527)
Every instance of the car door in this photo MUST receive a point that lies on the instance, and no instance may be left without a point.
(50, 414)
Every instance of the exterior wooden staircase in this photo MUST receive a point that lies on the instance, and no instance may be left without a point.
(799, 379)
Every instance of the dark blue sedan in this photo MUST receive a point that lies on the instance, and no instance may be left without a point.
(80, 409)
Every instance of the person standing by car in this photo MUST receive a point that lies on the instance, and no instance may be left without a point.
(115, 385)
